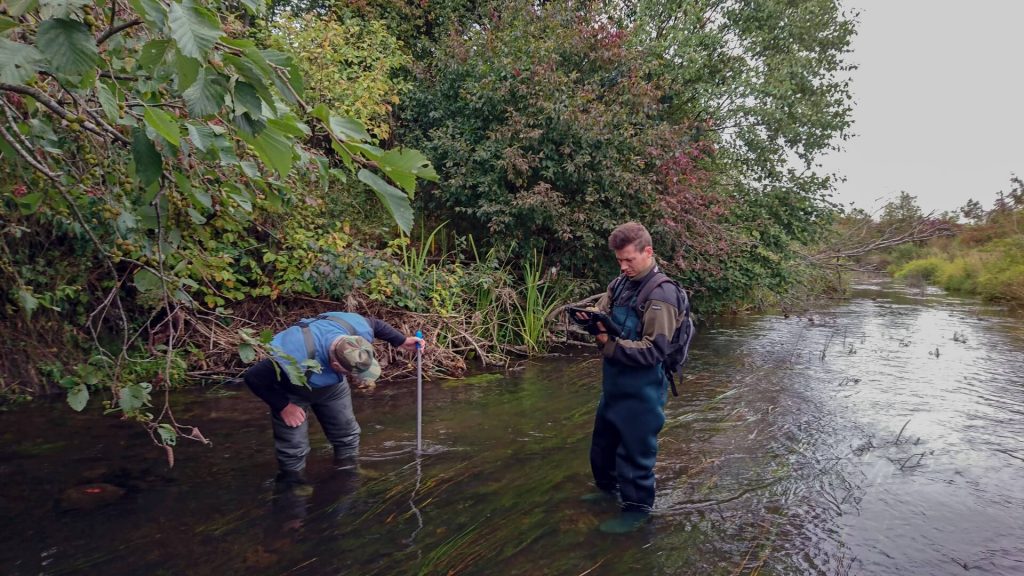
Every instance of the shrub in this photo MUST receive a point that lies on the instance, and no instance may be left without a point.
(925, 269)
(960, 275)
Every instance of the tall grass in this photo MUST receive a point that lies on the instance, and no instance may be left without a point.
(414, 258)
(538, 300)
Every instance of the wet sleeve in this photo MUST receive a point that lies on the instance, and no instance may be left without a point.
(386, 332)
(660, 320)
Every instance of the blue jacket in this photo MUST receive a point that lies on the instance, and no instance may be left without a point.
(289, 345)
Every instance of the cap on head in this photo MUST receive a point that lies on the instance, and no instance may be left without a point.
(355, 354)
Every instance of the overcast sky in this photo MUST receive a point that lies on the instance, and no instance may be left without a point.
(939, 103)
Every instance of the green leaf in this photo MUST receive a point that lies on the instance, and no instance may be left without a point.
(134, 396)
(200, 198)
(274, 149)
(146, 281)
(6, 24)
(405, 165)
(248, 126)
(367, 150)
(195, 29)
(396, 201)
(152, 11)
(60, 8)
(108, 101)
(250, 169)
(153, 53)
(201, 135)
(27, 302)
(255, 7)
(240, 43)
(78, 397)
(291, 85)
(246, 352)
(148, 163)
(19, 8)
(196, 216)
(68, 45)
(243, 199)
(247, 99)
(127, 222)
(205, 96)
(188, 70)
(252, 73)
(168, 436)
(346, 156)
(29, 203)
(18, 62)
(348, 129)
(164, 124)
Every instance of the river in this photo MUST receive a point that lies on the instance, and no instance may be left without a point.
(883, 435)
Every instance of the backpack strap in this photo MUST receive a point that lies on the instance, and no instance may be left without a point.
(657, 279)
(307, 334)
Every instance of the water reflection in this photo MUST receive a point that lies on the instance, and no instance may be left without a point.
(881, 436)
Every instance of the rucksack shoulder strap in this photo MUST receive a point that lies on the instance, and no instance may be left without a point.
(656, 279)
(340, 322)
(307, 334)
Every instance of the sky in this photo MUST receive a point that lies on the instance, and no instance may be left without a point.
(938, 103)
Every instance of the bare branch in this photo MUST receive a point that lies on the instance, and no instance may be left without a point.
(115, 30)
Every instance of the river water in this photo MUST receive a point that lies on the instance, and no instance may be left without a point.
(881, 436)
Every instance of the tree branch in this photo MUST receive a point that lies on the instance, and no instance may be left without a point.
(115, 30)
(55, 107)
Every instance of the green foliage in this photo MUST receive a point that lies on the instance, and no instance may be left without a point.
(922, 270)
(538, 300)
(1002, 277)
(543, 127)
(150, 151)
(552, 124)
(901, 211)
(994, 271)
(350, 65)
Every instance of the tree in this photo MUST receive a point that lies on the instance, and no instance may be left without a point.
(132, 135)
(691, 129)
(901, 211)
(546, 131)
(973, 211)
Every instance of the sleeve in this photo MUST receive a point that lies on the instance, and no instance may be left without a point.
(265, 380)
(386, 332)
(660, 321)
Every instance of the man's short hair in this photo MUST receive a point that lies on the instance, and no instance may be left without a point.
(630, 233)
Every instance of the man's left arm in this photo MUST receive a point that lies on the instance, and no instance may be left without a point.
(660, 320)
(389, 334)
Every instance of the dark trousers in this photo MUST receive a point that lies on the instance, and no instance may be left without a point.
(623, 450)
(333, 408)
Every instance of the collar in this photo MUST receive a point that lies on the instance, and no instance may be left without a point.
(639, 278)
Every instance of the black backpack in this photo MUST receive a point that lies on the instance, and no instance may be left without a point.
(679, 346)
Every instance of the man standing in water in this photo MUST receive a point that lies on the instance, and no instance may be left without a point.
(630, 415)
(340, 342)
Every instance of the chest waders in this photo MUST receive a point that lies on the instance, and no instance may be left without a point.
(624, 444)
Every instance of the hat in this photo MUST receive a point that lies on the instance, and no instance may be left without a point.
(355, 354)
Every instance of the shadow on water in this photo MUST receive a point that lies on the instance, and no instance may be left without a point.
(882, 436)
